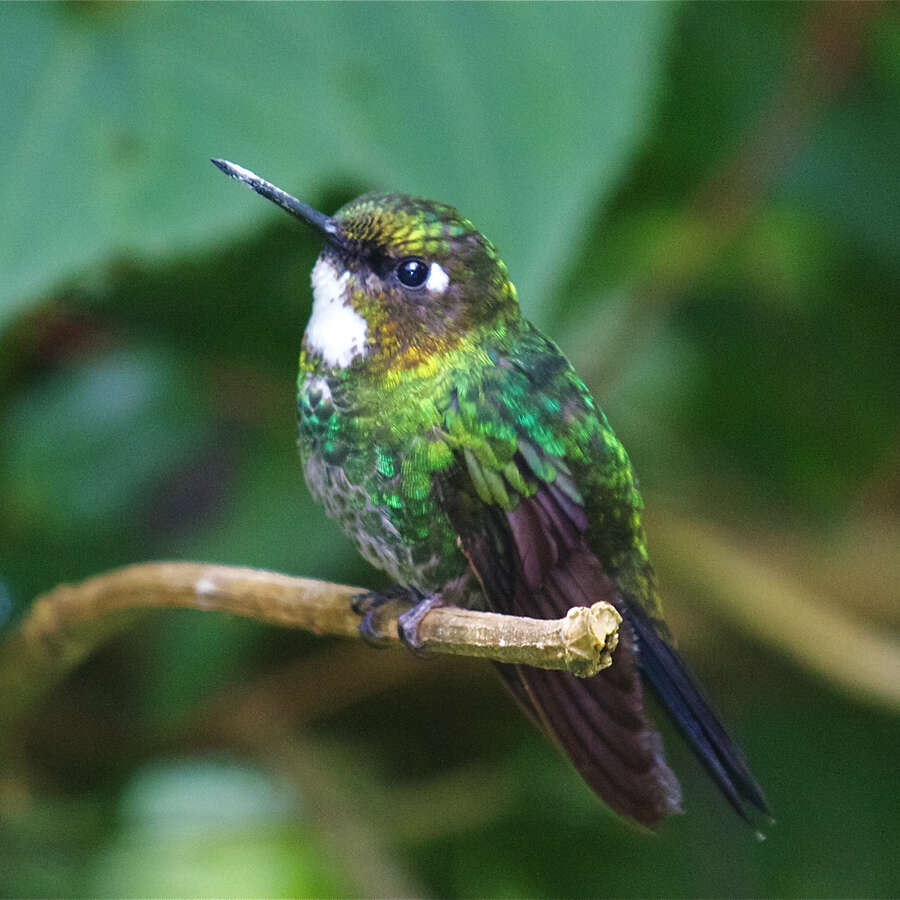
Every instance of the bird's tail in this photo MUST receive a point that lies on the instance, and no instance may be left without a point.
(534, 562)
(601, 723)
(688, 707)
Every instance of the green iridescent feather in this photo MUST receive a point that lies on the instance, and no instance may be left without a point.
(512, 413)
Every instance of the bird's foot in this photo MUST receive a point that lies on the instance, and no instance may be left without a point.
(408, 622)
(372, 606)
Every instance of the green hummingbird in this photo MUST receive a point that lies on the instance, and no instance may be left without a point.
(456, 446)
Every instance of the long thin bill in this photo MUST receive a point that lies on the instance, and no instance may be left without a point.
(268, 190)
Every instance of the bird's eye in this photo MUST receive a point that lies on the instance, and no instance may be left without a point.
(412, 273)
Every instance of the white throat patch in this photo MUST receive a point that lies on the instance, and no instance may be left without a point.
(335, 330)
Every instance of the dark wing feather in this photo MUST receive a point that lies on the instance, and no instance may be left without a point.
(599, 722)
(533, 561)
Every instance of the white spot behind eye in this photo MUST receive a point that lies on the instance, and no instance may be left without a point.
(437, 280)
(335, 330)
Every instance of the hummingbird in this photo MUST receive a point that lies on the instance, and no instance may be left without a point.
(456, 446)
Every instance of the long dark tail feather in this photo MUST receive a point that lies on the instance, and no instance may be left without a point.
(692, 713)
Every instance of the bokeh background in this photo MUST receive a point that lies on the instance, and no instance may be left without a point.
(699, 202)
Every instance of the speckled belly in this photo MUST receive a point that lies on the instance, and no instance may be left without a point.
(354, 467)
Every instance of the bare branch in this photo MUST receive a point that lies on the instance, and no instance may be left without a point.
(68, 623)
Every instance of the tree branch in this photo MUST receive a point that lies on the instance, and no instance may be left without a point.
(68, 623)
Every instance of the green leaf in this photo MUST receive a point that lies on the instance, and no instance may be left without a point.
(523, 116)
(85, 446)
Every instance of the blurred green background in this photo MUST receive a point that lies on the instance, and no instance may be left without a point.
(699, 202)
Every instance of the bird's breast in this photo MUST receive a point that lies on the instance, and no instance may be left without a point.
(369, 458)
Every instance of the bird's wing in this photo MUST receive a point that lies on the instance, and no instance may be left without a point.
(522, 524)
(525, 434)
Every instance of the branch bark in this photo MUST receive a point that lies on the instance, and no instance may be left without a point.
(68, 623)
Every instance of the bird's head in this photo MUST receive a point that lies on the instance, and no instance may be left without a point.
(399, 281)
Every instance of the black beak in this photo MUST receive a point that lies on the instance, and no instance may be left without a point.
(319, 221)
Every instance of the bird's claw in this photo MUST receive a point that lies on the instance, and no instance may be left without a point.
(372, 606)
(409, 621)
(364, 603)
